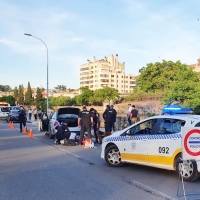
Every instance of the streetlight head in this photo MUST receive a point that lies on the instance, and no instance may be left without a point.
(27, 34)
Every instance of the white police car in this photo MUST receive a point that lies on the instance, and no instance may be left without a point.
(155, 142)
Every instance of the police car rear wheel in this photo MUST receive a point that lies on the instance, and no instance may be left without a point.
(188, 170)
(113, 157)
(50, 133)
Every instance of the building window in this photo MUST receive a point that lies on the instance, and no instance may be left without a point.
(112, 75)
(84, 69)
(104, 75)
(104, 80)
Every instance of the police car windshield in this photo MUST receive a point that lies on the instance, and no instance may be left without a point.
(67, 116)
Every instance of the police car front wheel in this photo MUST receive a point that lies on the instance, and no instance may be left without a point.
(113, 157)
(188, 170)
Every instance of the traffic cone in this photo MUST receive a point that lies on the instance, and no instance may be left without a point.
(9, 124)
(12, 125)
(30, 134)
(25, 130)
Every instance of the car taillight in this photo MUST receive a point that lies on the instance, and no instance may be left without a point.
(56, 124)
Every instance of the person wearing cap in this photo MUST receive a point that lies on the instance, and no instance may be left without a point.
(115, 116)
(62, 133)
(22, 117)
(85, 120)
(109, 118)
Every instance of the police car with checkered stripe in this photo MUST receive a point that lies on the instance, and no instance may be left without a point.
(155, 142)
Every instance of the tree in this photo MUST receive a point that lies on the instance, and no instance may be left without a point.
(39, 97)
(9, 99)
(60, 101)
(60, 87)
(16, 93)
(28, 95)
(105, 93)
(21, 95)
(5, 88)
(85, 95)
(161, 76)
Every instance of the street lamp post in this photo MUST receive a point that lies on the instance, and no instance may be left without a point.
(47, 70)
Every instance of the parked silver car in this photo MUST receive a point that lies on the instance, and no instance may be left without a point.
(69, 114)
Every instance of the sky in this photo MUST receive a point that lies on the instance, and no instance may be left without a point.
(139, 31)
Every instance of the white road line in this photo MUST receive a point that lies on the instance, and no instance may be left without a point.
(151, 190)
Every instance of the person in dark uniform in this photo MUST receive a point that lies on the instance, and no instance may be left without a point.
(115, 116)
(96, 124)
(22, 117)
(109, 118)
(62, 133)
(85, 120)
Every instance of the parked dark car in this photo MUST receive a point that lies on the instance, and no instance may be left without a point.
(13, 116)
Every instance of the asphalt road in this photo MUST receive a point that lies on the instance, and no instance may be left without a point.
(36, 169)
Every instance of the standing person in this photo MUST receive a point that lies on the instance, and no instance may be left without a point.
(85, 120)
(35, 114)
(115, 116)
(22, 117)
(134, 115)
(39, 114)
(128, 114)
(29, 114)
(96, 124)
(109, 117)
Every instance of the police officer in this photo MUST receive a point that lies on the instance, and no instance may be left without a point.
(62, 133)
(109, 118)
(115, 116)
(96, 124)
(22, 117)
(85, 120)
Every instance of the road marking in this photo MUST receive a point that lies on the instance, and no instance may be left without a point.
(60, 149)
(151, 190)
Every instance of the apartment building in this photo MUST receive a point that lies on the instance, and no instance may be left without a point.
(196, 66)
(109, 72)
